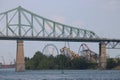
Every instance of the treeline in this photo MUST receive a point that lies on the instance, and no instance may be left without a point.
(40, 61)
(113, 63)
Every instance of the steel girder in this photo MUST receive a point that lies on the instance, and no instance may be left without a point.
(113, 45)
(20, 22)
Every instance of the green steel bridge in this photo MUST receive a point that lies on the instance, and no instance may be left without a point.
(21, 24)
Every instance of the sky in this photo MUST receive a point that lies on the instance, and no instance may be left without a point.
(100, 16)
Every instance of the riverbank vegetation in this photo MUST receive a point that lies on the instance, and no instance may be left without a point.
(40, 61)
(113, 63)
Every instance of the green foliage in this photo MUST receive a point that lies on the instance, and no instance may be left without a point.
(112, 63)
(118, 61)
(40, 61)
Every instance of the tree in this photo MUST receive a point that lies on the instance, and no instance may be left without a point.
(40, 61)
(111, 63)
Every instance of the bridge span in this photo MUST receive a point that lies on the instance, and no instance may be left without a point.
(75, 39)
(22, 25)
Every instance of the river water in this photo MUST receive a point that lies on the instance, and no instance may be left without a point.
(10, 74)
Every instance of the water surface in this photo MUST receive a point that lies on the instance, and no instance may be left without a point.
(10, 74)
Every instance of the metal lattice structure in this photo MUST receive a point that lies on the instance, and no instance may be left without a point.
(21, 23)
(113, 45)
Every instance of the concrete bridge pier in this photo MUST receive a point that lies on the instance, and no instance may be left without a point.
(102, 55)
(20, 63)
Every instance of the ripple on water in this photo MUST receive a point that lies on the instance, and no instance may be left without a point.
(57, 75)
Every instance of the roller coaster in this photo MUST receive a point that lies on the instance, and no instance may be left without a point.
(87, 53)
(69, 53)
(83, 51)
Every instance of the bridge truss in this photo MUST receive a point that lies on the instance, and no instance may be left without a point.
(21, 24)
(113, 45)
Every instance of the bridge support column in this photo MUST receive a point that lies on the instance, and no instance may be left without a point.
(102, 55)
(20, 63)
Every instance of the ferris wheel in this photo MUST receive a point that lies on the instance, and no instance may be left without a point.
(50, 49)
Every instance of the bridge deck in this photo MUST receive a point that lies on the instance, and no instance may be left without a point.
(59, 39)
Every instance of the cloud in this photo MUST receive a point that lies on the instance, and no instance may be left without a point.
(58, 19)
(111, 5)
(79, 24)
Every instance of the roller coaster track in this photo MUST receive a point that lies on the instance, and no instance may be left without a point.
(85, 51)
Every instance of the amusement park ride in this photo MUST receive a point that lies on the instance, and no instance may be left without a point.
(83, 51)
